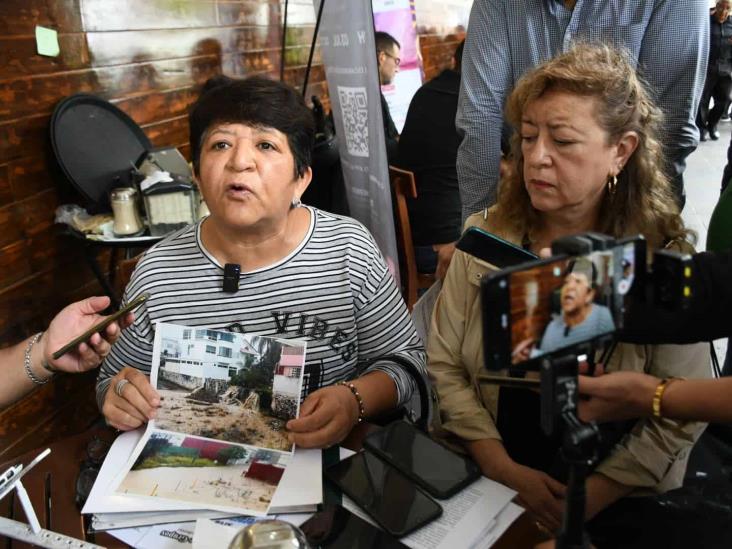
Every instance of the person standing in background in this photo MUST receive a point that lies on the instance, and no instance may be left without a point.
(667, 40)
(388, 51)
(718, 85)
(428, 146)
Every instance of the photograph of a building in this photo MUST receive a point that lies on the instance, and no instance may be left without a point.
(203, 471)
(234, 387)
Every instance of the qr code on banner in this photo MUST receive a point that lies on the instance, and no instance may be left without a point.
(354, 106)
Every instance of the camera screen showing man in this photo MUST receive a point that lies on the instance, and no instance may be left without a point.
(580, 318)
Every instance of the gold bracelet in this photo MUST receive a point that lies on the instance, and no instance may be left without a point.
(658, 395)
(361, 410)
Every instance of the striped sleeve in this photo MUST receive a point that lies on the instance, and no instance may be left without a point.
(385, 328)
(134, 346)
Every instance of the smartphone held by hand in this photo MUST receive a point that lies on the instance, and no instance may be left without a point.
(101, 326)
(546, 307)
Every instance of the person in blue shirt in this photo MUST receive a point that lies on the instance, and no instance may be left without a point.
(581, 318)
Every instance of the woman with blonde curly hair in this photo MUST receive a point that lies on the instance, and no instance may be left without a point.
(639, 198)
(586, 158)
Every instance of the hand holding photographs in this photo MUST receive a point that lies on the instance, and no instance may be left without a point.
(218, 440)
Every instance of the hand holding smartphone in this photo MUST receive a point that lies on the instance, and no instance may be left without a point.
(101, 326)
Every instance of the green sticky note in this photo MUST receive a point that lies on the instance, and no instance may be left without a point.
(47, 42)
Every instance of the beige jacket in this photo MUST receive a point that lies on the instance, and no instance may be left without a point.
(652, 457)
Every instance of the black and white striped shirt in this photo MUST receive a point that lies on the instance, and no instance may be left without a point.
(334, 291)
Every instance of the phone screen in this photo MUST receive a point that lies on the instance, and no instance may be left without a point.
(556, 304)
(337, 528)
(438, 470)
(389, 497)
(493, 249)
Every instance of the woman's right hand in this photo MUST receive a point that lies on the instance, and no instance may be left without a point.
(542, 496)
(137, 404)
(523, 350)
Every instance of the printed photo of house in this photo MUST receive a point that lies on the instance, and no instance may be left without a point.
(218, 474)
(235, 387)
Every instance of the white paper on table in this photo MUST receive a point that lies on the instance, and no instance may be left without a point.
(215, 533)
(504, 519)
(167, 536)
(301, 487)
(295, 518)
(110, 521)
(129, 535)
(468, 518)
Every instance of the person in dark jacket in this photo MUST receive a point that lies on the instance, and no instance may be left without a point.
(718, 85)
(428, 146)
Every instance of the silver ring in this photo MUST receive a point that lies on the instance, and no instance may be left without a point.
(120, 386)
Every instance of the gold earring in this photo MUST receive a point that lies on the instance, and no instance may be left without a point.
(612, 185)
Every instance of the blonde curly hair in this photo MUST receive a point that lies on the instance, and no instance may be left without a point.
(643, 201)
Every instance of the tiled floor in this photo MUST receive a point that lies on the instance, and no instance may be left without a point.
(702, 180)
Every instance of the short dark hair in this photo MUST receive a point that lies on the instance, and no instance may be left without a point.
(215, 82)
(255, 101)
(584, 266)
(385, 41)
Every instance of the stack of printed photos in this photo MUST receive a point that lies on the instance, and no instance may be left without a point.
(219, 440)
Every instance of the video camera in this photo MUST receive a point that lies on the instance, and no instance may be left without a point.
(543, 313)
(548, 315)
(575, 300)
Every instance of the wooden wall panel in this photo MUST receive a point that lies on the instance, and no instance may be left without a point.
(11, 226)
(21, 16)
(29, 177)
(6, 194)
(18, 55)
(438, 51)
(23, 137)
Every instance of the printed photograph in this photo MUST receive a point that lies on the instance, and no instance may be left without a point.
(209, 473)
(227, 386)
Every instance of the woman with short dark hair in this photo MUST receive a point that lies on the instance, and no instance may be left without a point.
(305, 274)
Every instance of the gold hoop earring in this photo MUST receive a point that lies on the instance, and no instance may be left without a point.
(612, 185)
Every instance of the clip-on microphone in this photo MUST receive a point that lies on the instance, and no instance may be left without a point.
(231, 278)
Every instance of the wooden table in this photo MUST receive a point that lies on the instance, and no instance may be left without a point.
(51, 486)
